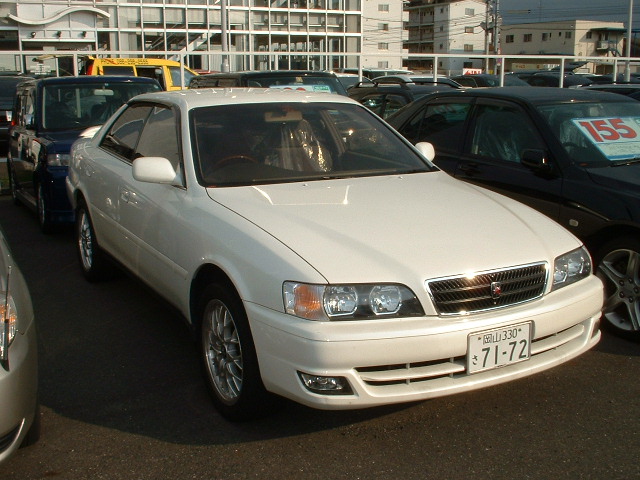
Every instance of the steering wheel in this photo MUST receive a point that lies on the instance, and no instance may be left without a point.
(235, 159)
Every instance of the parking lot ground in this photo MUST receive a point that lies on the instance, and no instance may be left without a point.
(123, 398)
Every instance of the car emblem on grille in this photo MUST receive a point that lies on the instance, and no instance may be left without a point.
(496, 290)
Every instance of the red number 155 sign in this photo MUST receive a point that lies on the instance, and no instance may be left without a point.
(608, 130)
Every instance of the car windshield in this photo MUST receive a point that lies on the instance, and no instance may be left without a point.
(310, 83)
(78, 106)
(274, 143)
(596, 134)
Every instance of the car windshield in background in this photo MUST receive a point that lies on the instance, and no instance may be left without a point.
(76, 107)
(597, 134)
(272, 143)
(298, 82)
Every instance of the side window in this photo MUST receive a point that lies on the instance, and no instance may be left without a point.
(503, 133)
(393, 103)
(374, 102)
(29, 109)
(160, 137)
(125, 132)
(440, 123)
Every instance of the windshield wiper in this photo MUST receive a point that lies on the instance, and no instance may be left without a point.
(626, 161)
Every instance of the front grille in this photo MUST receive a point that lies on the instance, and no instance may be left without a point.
(464, 294)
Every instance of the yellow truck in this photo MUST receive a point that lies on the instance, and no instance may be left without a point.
(170, 74)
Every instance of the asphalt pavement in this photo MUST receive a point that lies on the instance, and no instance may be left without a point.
(123, 397)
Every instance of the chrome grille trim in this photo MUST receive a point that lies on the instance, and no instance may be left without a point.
(465, 294)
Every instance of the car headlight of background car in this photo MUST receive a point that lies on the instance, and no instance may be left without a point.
(349, 302)
(58, 159)
(571, 267)
(8, 319)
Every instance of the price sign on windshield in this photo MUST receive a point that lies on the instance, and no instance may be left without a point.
(618, 138)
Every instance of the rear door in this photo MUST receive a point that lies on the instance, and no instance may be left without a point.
(23, 151)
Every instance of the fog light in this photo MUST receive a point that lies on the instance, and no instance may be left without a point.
(326, 385)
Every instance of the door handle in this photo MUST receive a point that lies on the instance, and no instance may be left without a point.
(125, 195)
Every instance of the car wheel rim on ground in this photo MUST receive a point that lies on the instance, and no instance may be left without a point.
(619, 270)
(223, 352)
(85, 241)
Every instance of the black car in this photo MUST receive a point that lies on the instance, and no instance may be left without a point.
(386, 99)
(552, 79)
(49, 114)
(487, 80)
(307, 80)
(8, 86)
(572, 154)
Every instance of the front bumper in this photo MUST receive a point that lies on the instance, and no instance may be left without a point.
(18, 393)
(410, 359)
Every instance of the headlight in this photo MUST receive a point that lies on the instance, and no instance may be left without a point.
(349, 302)
(571, 267)
(7, 325)
(58, 159)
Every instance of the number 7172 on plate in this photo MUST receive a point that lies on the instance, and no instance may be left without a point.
(498, 347)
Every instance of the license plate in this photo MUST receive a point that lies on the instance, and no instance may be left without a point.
(498, 347)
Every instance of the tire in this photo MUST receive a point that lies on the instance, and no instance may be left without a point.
(229, 357)
(618, 266)
(95, 264)
(44, 220)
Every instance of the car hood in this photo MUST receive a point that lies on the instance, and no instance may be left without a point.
(622, 178)
(62, 139)
(393, 228)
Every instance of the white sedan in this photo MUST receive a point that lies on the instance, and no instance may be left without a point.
(321, 257)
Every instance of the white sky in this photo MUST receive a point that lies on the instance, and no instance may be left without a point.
(531, 11)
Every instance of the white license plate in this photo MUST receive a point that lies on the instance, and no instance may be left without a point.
(498, 347)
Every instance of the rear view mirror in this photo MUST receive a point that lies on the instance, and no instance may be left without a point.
(103, 92)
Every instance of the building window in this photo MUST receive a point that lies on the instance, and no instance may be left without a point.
(468, 47)
(383, 46)
(469, 12)
(383, 64)
(567, 34)
(545, 37)
(383, 26)
(589, 35)
(527, 37)
(468, 29)
(383, 7)
(508, 39)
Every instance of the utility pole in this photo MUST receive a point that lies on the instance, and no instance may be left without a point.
(223, 36)
(627, 70)
(496, 33)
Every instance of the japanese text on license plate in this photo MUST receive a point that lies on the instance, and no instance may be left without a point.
(498, 347)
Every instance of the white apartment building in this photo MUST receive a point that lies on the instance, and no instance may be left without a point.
(383, 33)
(446, 27)
(261, 34)
(575, 38)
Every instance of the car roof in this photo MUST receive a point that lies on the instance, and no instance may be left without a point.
(205, 97)
(271, 73)
(537, 96)
(91, 79)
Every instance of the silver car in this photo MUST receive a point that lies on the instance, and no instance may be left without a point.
(19, 412)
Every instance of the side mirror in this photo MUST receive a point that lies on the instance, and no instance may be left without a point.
(536, 160)
(155, 170)
(427, 150)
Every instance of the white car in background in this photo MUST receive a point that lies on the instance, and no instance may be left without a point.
(321, 257)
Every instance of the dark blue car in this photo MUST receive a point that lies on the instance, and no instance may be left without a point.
(49, 115)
